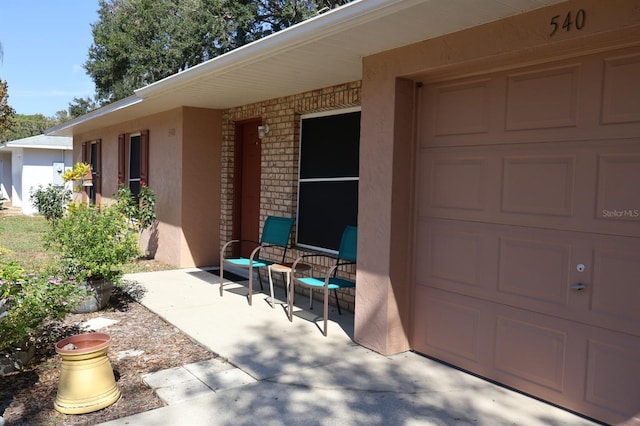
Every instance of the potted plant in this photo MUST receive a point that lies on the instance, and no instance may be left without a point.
(79, 173)
(91, 245)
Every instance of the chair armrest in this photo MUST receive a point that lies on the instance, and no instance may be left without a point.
(303, 258)
(344, 263)
(228, 243)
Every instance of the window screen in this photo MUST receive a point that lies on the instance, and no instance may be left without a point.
(328, 184)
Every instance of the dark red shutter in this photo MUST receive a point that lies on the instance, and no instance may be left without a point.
(144, 157)
(98, 171)
(86, 146)
(122, 165)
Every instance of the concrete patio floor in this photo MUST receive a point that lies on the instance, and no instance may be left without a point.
(298, 376)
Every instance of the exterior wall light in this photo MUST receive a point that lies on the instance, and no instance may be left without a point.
(263, 130)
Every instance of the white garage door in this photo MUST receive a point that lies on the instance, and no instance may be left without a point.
(527, 262)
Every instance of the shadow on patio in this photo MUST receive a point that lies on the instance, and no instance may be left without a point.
(303, 377)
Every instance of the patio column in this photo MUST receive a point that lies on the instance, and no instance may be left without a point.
(384, 220)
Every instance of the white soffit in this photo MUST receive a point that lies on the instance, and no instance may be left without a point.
(321, 52)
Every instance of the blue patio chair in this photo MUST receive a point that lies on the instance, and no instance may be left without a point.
(275, 233)
(347, 255)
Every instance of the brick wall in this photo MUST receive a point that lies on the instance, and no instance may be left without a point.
(280, 150)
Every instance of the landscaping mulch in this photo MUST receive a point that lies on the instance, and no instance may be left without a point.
(27, 397)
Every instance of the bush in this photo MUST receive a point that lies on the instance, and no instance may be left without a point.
(50, 202)
(93, 243)
(28, 300)
(141, 212)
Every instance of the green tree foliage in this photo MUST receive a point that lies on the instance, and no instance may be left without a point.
(79, 107)
(138, 42)
(7, 113)
(24, 126)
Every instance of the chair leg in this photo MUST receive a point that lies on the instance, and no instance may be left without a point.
(310, 298)
(251, 285)
(326, 309)
(284, 283)
(221, 277)
(286, 280)
(273, 301)
(260, 279)
(292, 293)
(335, 292)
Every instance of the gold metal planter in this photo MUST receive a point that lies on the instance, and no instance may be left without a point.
(87, 382)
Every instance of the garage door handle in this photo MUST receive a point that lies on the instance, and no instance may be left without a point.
(578, 286)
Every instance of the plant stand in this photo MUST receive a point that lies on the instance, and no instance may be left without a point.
(87, 382)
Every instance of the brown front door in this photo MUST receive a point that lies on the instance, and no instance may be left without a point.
(247, 185)
(528, 230)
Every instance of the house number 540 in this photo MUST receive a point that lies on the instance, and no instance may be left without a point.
(570, 21)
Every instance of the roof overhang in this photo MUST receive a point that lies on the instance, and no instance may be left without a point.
(323, 51)
(39, 142)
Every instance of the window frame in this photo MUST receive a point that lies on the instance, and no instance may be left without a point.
(124, 157)
(300, 180)
(92, 155)
(128, 177)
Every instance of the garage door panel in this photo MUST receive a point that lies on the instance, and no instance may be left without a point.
(461, 338)
(462, 108)
(621, 90)
(538, 185)
(455, 256)
(534, 269)
(618, 194)
(459, 342)
(459, 257)
(589, 186)
(455, 183)
(542, 99)
(613, 374)
(615, 298)
(571, 101)
(531, 352)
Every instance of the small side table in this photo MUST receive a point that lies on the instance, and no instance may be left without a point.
(285, 269)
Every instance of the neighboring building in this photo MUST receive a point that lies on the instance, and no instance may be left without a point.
(30, 162)
(498, 161)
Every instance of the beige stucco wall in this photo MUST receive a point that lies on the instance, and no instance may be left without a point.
(201, 156)
(383, 299)
(174, 163)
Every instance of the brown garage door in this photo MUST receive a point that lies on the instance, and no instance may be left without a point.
(527, 258)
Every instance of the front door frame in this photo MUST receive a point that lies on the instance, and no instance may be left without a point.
(241, 133)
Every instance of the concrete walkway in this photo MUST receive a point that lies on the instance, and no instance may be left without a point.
(282, 373)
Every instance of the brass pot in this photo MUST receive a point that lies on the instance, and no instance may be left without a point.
(87, 382)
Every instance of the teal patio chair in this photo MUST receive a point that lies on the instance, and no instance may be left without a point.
(347, 254)
(275, 233)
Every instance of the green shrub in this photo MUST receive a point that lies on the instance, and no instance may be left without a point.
(93, 243)
(50, 202)
(141, 212)
(28, 300)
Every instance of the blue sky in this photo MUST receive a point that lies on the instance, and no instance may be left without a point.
(45, 44)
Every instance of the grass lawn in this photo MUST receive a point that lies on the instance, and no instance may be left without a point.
(21, 239)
